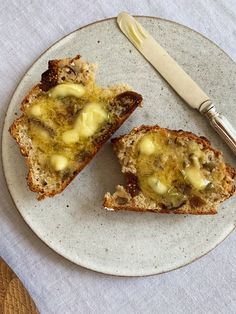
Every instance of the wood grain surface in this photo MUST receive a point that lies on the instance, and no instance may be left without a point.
(14, 298)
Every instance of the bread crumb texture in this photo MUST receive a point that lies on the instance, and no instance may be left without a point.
(170, 171)
(65, 120)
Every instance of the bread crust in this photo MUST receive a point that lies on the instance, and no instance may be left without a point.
(49, 79)
(132, 186)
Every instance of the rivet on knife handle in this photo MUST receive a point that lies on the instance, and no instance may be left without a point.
(178, 79)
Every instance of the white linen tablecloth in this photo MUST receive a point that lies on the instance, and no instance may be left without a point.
(208, 285)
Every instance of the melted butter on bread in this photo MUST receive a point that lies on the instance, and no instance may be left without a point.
(90, 119)
(66, 118)
(67, 89)
(165, 165)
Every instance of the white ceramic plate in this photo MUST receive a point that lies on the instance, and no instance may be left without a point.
(74, 224)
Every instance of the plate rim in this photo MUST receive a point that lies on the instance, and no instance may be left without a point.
(3, 131)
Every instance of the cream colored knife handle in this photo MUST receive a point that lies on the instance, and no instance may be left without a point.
(221, 125)
(178, 79)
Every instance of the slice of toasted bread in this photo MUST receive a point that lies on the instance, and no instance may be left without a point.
(66, 119)
(170, 171)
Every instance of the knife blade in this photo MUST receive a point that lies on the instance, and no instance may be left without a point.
(177, 78)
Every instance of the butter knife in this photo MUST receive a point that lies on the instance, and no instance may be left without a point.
(178, 79)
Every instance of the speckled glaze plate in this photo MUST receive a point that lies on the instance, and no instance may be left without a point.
(74, 224)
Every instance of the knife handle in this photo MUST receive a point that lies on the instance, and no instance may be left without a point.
(221, 125)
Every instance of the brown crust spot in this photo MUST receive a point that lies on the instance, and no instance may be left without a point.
(231, 172)
(49, 78)
(132, 184)
(123, 100)
(196, 201)
(121, 200)
(171, 207)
